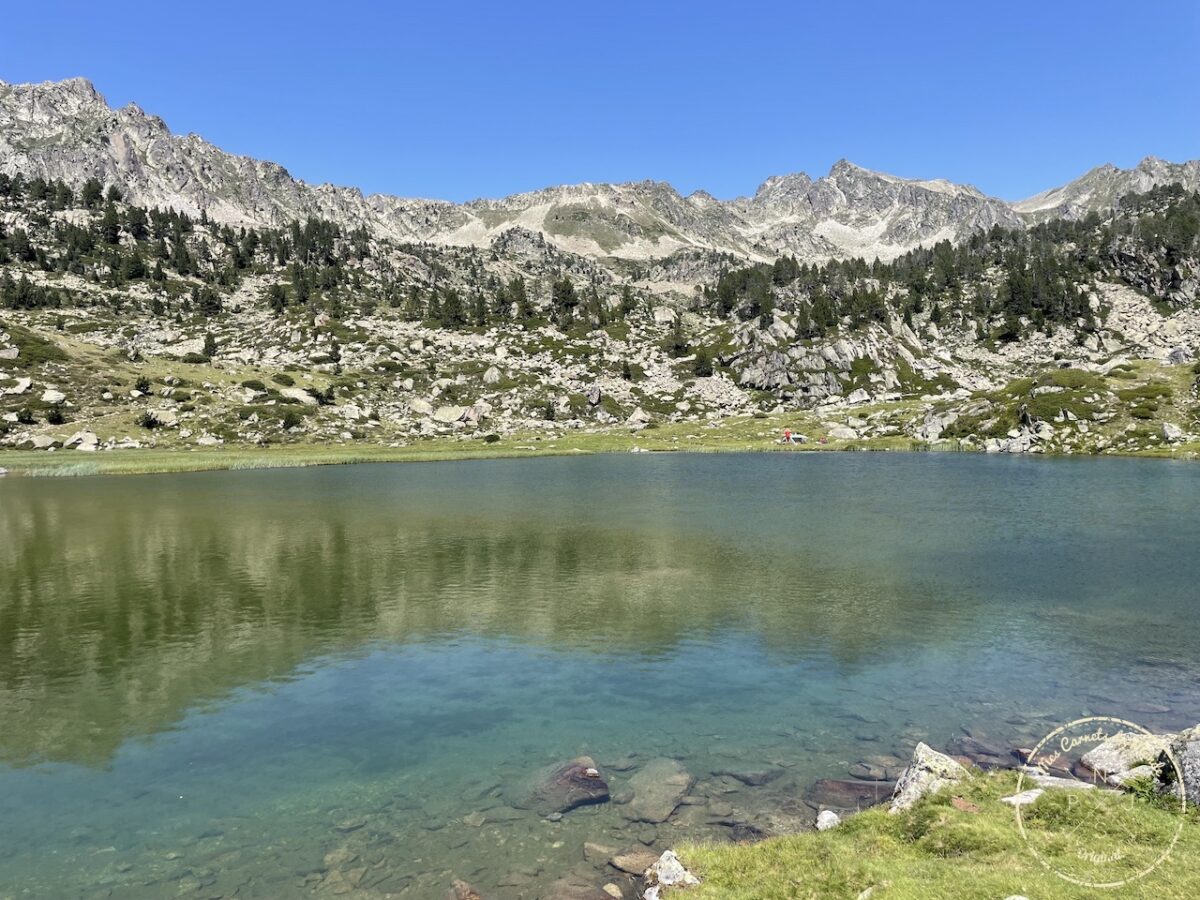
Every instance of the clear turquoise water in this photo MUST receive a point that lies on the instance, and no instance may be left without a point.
(209, 683)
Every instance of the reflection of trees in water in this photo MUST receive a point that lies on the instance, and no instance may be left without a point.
(117, 616)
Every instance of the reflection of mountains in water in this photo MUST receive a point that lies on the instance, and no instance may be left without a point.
(121, 610)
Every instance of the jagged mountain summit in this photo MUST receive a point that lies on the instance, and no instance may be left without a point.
(67, 131)
(1104, 186)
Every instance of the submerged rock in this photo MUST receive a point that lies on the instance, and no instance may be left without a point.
(929, 771)
(460, 890)
(564, 787)
(658, 789)
(848, 793)
(751, 779)
(634, 862)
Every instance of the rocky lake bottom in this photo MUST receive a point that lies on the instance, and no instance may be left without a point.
(352, 681)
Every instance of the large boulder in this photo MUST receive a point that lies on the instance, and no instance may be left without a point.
(298, 394)
(658, 788)
(449, 414)
(563, 787)
(929, 771)
(1185, 754)
(1125, 756)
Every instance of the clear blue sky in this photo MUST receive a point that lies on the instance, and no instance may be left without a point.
(460, 100)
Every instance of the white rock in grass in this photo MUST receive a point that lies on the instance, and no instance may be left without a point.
(929, 771)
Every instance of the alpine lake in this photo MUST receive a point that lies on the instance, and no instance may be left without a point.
(346, 681)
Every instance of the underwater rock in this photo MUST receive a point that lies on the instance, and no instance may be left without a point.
(564, 787)
(658, 789)
(847, 793)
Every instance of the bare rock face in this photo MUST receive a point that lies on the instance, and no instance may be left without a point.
(564, 787)
(658, 788)
(929, 771)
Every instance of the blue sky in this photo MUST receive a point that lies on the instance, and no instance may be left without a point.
(459, 100)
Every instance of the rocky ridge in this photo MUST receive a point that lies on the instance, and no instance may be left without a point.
(66, 130)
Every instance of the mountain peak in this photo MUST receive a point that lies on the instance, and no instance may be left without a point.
(845, 167)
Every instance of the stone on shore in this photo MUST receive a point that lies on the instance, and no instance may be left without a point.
(1024, 798)
(1126, 755)
(929, 771)
(1185, 754)
(667, 872)
(827, 819)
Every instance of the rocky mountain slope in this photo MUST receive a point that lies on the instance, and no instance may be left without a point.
(155, 291)
(1103, 187)
(66, 131)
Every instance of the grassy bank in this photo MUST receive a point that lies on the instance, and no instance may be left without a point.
(960, 843)
(732, 435)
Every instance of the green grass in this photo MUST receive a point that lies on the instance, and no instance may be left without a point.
(34, 349)
(734, 435)
(938, 850)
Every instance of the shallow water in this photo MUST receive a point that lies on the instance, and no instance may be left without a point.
(279, 683)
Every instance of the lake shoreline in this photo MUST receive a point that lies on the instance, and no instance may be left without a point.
(149, 461)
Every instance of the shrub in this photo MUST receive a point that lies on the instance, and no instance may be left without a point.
(255, 385)
(284, 379)
(149, 420)
(292, 419)
(195, 359)
(25, 416)
(55, 415)
(142, 384)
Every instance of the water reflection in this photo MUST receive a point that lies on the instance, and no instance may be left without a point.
(123, 608)
(204, 678)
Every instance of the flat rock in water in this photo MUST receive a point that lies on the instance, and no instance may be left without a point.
(751, 779)
(566, 786)
(597, 854)
(982, 752)
(574, 888)
(634, 862)
(848, 793)
(868, 772)
(658, 788)
(460, 890)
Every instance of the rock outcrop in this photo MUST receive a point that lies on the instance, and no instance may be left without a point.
(929, 771)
